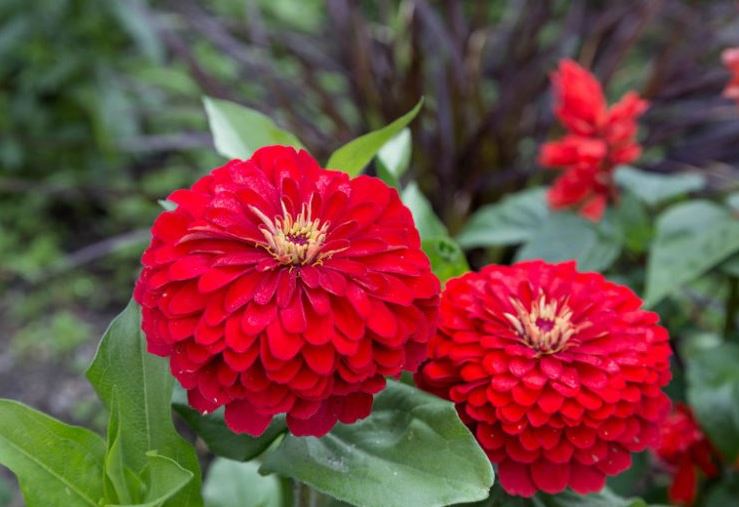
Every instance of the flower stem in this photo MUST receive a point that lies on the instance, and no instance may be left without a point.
(304, 495)
(732, 305)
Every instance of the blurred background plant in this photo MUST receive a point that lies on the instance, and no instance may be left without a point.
(102, 117)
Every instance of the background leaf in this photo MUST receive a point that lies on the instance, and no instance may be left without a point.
(713, 393)
(239, 131)
(233, 484)
(655, 188)
(690, 239)
(427, 223)
(54, 462)
(515, 219)
(605, 498)
(447, 259)
(355, 155)
(564, 236)
(411, 451)
(142, 386)
(394, 158)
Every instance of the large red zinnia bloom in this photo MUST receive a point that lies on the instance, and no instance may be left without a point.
(730, 57)
(557, 373)
(684, 447)
(277, 286)
(598, 139)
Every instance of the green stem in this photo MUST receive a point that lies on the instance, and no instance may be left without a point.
(732, 305)
(303, 495)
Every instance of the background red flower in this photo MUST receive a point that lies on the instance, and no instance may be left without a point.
(730, 57)
(277, 286)
(598, 139)
(684, 447)
(558, 373)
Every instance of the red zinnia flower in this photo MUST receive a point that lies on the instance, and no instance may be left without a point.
(556, 372)
(277, 286)
(599, 138)
(730, 58)
(684, 447)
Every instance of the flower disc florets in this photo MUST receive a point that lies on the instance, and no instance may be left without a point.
(558, 373)
(277, 286)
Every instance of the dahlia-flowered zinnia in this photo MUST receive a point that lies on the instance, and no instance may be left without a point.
(684, 448)
(730, 57)
(277, 286)
(557, 373)
(598, 139)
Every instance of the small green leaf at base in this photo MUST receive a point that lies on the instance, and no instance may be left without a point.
(141, 385)
(239, 131)
(55, 463)
(447, 259)
(412, 451)
(164, 478)
(355, 155)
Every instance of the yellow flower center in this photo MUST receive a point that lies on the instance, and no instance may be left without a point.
(546, 327)
(294, 241)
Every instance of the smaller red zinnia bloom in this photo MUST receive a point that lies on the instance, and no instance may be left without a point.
(684, 447)
(557, 373)
(599, 138)
(279, 287)
(730, 57)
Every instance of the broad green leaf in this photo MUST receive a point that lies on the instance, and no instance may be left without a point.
(515, 219)
(731, 266)
(234, 484)
(412, 451)
(55, 463)
(164, 478)
(239, 131)
(732, 201)
(142, 386)
(447, 259)
(355, 155)
(605, 498)
(690, 239)
(222, 441)
(427, 223)
(6, 494)
(394, 158)
(565, 236)
(654, 188)
(713, 393)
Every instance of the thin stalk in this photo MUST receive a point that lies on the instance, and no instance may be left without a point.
(732, 305)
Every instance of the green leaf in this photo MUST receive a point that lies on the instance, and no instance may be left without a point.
(690, 239)
(164, 478)
(427, 223)
(653, 188)
(142, 386)
(565, 236)
(713, 393)
(605, 498)
(394, 158)
(233, 484)
(447, 259)
(239, 131)
(411, 451)
(117, 474)
(633, 219)
(56, 464)
(515, 219)
(732, 201)
(222, 441)
(355, 155)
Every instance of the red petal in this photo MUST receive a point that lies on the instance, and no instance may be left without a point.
(515, 478)
(550, 477)
(283, 345)
(319, 359)
(317, 425)
(242, 418)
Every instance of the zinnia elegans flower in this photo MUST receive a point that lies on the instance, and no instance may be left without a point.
(730, 57)
(277, 286)
(557, 373)
(598, 139)
(685, 448)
